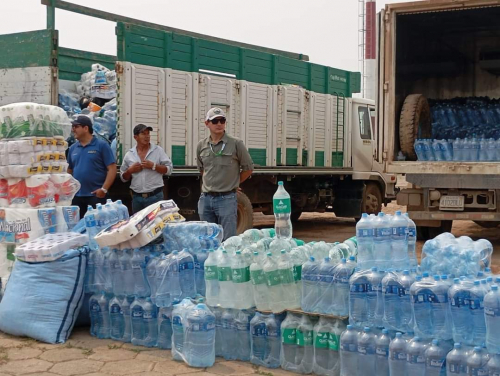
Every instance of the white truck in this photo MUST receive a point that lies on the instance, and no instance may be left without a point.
(298, 119)
(440, 49)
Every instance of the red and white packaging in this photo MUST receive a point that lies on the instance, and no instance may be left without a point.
(4, 193)
(18, 193)
(66, 187)
(41, 191)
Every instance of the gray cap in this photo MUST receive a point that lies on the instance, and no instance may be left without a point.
(215, 112)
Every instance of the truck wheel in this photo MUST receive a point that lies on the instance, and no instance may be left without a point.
(414, 122)
(426, 233)
(372, 199)
(245, 213)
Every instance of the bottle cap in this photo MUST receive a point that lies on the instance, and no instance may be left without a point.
(352, 258)
(367, 329)
(385, 331)
(364, 215)
(312, 258)
(435, 342)
(256, 253)
(398, 212)
(280, 183)
(283, 251)
(494, 288)
(269, 254)
(343, 261)
(476, 283)
(406, 272)
(477, 349)
(349, 327)
(457, 345)
(374, 268)
(238, 252)
(417, 339)
(399, 335)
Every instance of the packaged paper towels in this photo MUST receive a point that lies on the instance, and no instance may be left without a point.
(141, 221)
(18, 226)
(41, 191)
(67, 217)
(66, 187)
(4, 193)
(18, 193)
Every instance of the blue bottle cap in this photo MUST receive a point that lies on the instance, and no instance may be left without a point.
(476, 283)
(398, 212)
(374, 269)
(269, 254)
(456, 280)
(417, 339)
(364, 215)
(437, 278)
(385, 331)
(367, 329)
(399, 335)
(349, 327)
(477, 349)
(435, 342)
(343, 261)
(406, 272)
(283, 251)
(312, 258)
(457, 345)
(494, 288)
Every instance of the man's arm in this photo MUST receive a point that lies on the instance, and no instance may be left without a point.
(110, 176)
(245, 160)
(244, 175)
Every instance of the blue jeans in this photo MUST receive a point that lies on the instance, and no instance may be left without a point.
(139, 202)
(221, 210)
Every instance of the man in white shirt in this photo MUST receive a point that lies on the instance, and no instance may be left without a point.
(145, 164)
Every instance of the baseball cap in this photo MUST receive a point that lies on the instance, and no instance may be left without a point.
(83, 121)
(139, 128)
(215, 112)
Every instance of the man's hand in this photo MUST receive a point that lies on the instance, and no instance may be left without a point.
(148, 164)
(136, 167)
(99, 193)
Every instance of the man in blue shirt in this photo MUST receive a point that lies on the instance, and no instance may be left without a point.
(92, 163)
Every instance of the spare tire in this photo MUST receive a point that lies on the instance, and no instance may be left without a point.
(414, 122)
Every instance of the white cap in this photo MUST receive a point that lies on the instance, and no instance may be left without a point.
(215, 112)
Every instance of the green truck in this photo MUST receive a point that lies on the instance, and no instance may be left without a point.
(299, 120)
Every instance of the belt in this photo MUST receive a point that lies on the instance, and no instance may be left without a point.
(220, 193)
(148, 194)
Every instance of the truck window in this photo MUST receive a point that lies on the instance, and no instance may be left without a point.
(364, 123)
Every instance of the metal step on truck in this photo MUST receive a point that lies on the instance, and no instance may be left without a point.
(298, 119)
(429, 52)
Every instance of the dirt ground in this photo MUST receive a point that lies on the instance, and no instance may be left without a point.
(327, 227)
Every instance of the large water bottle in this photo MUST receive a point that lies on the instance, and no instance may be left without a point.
(415, 357)
(304, 356)
(477, 362)
(273, 280)
(229, 335)
(286, 271)
(447, 149)
(476, 301)
(138, 332)
(103, 218)
(435, 358)
(420, 292)
(467, 153)
(399, 241)
(441, 315)
(397, 355)
(242, 287)
(99, 315)
(483, 150)
(382, 241)
(259, 286)
(127, 319)
(310, 293)
(412, 241)
(211, 279)
(456, 361)
(150, 323)
(113, 214)
(242, 320)
(117, 282)
(366, 351)
(141, 287)
(491, 147)
(165, 328)
(126, 270)
(437, 150)
(282, 210)
(122, 210)
(273, 342)
(322, 358)
(168, 286)
(349, 352)
(340, 299)
(474, 149)
(100, 273)
(391, 287)
(91, 227)
(459, 295)
(289, 341)
(492, 318)
(419, 150)
(373, 295)
(186, 274)
(116, 319)
(358, 302)
(199, 271)
(200, 336)
(406, 280)
(382, 343)
(224, 276)
(178, 327)
(458, 148)
(325, 287)
(218, 311)
(494, 365)
(151, 269)
(364, 237)
(258, 330)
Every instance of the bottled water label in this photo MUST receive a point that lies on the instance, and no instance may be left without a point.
(333, 342)
(273, 333)
(241, 275)
(382, 351)
(259, 330)
(90, 221)
(477, 371)
(95, 308)
(177, 321)
(224, 274)
(364, 233)
(349, 347)
(297, 272)
(211, 272)
(412, 232)
(362, 349)
(186, 266)
(286, 276)
(383, 232)
(289, 336)
(137, 313)
(322, 339)
(495, 312)
(359, 287)
(282, 206)
(399, 231)
(459, 301)
(243, 327)
(273, 278)
(398, 355)
(258, 277)
(149, 315)
(435, 363)
(454, 368)
(476, 304)
(415, 359)
(203, 327)
(304, 338)
(115, 309)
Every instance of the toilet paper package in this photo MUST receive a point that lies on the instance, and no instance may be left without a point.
(67, 217)
(21, 146)
(24, 170)
(50, 247)
(154, 230)
(66, 187)
(18, 226)
(126, 230)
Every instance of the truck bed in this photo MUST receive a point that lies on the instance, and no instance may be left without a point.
(451, 168)
(279, 170)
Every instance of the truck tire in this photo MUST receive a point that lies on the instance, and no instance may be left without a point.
(414, 122)
(245, 213)
(426, 233)
(372, 199)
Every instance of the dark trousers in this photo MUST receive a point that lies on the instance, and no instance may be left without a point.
(83, 201)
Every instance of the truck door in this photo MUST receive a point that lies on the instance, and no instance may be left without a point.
(362, 141)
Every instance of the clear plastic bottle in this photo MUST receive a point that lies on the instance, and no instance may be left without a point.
(141, 287)
(116, 319)
(258, 331)
(310, 293)
(273, 279)
(304, 356)
(289, 342)
(372, 296)
(397, 355)
(364, 237)
(122, 209)
(242, 287)
(322, 363)
(477, 362)
(112, 212)
(259, 286)
(456, 361)
(199, 271)
(366, 351)
(382, 241)
(91, 227)
(211, 279)
(138, 332)
(117, 282)
(492, 318)
(282, 210)
(127, 319)
(349, 352)
(340, 299)
(165, 328)
(225, 280)
(382, 343)
(99, 315)
(200, 336)
(476, 306)
(325, 287)
(494, 365)
(415, 357)
(399, 241)
(150, 322)
(229, 335)
(273, 342)
(412, 240)
(186, 274)
(358, 303)
(435, 359)
(242, 320)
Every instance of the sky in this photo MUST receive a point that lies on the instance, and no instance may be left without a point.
(325, 30)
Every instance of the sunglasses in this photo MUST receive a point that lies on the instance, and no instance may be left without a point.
(76, 125)
(217, 121)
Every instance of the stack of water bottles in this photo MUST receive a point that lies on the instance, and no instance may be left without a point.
(458, 150)
(461, 256)
(265, 330)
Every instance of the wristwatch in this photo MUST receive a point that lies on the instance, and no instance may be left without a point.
(104, 190)
(154, 167)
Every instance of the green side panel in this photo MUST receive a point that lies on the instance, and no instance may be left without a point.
(72, 63)
(258, 156)
(319, 159)
(304, 157)
(165, 49)
(179, 155)
(291, 157)
(30, 49)
(337, 159)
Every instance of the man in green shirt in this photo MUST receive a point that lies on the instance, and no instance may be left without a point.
(224, 163)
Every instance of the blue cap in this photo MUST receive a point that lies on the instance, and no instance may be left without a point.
(374, 269)
(349, 327)
(385, 331)
(435, 342)
(457, 345)
(399, 335)
(494, 288)
(367, 329)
